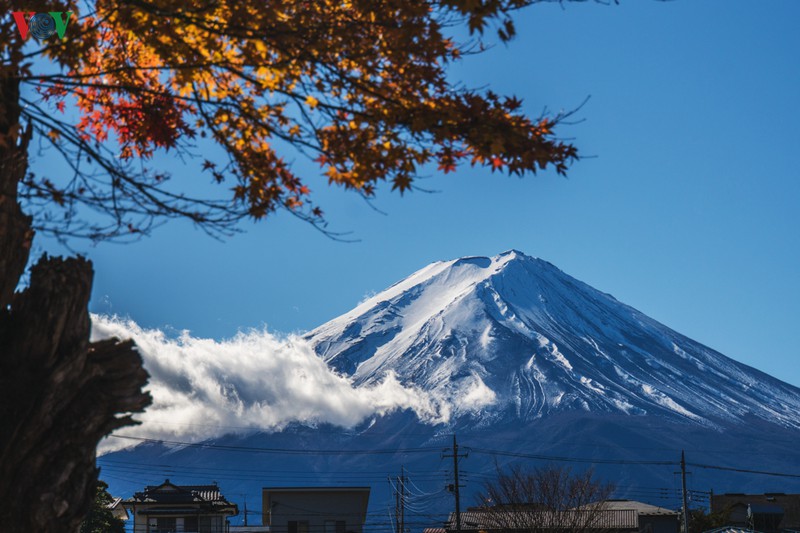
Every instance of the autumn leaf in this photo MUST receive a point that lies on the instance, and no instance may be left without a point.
(401, 183)
(447, 167)
(363, 91)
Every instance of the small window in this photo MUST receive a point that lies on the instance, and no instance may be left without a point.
(209, 524)
(166, 525)
(190, 524)
(298, 526)
(334, 526)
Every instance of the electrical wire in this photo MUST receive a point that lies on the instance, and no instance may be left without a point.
(558, 458)
(288, 451)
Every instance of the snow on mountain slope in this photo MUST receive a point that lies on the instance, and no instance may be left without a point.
(512, 337)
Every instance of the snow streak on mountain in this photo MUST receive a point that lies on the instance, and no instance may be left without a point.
(512, 337)
(524, 363)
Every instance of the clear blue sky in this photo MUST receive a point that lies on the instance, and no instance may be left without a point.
(690, 210)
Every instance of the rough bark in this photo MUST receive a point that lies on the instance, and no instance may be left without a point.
(16, 234)
(59, 393)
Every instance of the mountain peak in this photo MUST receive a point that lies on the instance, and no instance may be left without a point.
(499, 259)
(516, 253)
(514, 336)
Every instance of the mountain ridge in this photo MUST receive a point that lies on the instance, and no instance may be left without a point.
(523, 363)
(564, 345)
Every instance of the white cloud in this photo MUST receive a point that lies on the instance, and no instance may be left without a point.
(476, 396)
(203, 388)
(367, 296)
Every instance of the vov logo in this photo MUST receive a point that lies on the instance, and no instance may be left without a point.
(41, 25)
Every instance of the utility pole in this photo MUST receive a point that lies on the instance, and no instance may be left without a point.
(402, 499)
(683, 486)
(396, 510)
(456, 486)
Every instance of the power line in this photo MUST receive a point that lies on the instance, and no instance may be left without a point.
(120, 465)
(288, 451)
(744, 470)
(565, 459)
(248, 473)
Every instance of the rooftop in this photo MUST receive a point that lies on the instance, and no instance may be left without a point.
(182, 497)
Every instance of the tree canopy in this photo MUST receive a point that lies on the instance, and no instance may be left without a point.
(236, 89)
(544, 499)
(101, 519)
(360, 87)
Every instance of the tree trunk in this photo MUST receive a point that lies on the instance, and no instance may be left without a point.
(59, 393)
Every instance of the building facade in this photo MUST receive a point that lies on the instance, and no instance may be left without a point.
(315, 509)
(170, 508)
(610, 516)
(769, 512)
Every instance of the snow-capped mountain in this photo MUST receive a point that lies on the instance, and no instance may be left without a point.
(512, 336)
(523, 362)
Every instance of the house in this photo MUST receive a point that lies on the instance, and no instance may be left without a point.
(615, 516)
(496, 519)
(770, 512)
(649, 518)
(117, 509)
(170, 508)
(315, 509)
